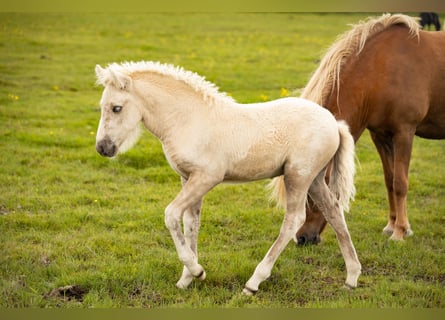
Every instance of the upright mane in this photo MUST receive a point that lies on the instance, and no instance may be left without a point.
(327, 75)
(116, 72)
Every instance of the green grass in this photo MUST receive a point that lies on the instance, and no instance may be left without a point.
(70, 217)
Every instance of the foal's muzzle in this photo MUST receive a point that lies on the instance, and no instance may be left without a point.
(106, 148)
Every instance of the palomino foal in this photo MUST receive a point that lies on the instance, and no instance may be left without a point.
(208, 138)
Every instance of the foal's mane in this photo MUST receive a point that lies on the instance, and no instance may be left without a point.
(208, 90)
(327, 75)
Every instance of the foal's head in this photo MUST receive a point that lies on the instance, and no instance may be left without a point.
(120, 113)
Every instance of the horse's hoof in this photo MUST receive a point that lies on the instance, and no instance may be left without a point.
(249, 292)
(396, 236)
(388, 230)
(399, 235)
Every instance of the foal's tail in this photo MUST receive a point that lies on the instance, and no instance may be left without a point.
(341, 180)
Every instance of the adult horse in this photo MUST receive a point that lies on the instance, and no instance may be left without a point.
(388, 76)
(208, 138)
(429, 18)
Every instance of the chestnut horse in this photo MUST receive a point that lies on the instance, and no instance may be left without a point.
(388, 76)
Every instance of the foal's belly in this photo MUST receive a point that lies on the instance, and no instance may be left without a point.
(255, 168)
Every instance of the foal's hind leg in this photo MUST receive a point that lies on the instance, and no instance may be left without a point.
(293, 220)
(321, 195)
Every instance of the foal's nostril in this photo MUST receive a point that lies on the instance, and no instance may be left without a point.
(100, 149)
(106, 148)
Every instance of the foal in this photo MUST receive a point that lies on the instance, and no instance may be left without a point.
(208, 138)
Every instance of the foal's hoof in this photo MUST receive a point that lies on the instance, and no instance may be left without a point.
(187, 278)
(348, 287)
(202, 275)
(184, 282)
(249, 292)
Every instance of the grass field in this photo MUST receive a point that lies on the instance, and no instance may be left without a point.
(70, 217)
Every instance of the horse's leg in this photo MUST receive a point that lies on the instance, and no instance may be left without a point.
(403, 143)
(395, 153)
(191, 222)
(189, 197)
(385, 148)
(321, 195)
(295, 214)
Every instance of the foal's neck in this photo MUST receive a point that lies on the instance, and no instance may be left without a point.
(169, 104)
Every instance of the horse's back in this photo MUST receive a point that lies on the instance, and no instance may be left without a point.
(399, 78)
(433, 124)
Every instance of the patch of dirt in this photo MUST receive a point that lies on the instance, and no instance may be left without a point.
(69, 293)
(430, 278)
(3, 210)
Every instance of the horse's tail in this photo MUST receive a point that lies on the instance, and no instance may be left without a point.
(341, 181)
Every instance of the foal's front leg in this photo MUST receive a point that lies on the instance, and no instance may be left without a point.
(191, 222)
(184, 205)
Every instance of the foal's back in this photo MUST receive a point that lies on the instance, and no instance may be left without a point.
(285, 131)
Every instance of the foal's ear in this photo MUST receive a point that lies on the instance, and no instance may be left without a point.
(99, 70)
(113, 77)
(101, 75)
(121, 80)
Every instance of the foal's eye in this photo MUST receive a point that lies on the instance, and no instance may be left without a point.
(117, 109)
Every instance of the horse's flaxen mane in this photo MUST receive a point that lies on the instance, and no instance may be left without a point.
(327, 75)
(198, 83)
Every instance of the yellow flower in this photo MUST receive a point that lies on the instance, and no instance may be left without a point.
(13, 97)
(284, 92)
(56, 88)
(263, 97)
